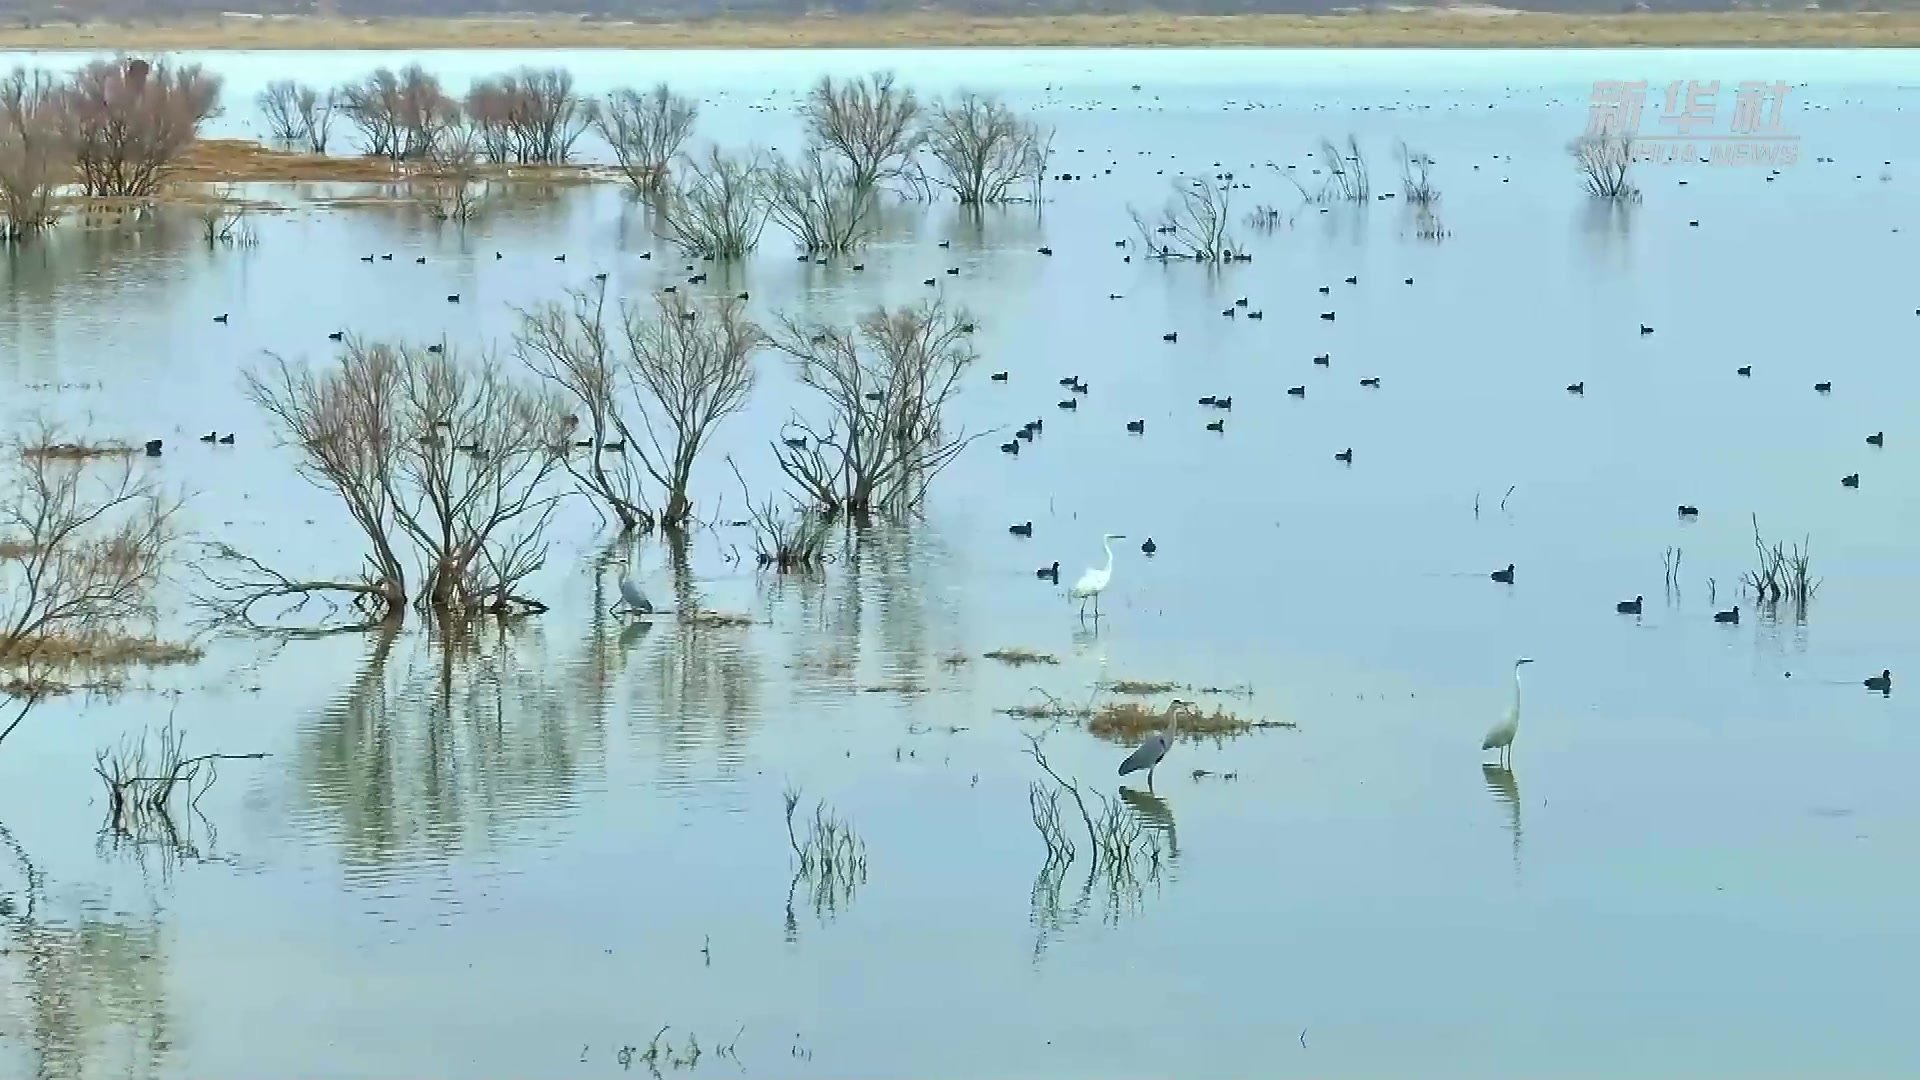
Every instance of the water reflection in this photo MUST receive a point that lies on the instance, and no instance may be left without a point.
(468, 743)
(94, 986)
(1506, 792)
(1153, 813)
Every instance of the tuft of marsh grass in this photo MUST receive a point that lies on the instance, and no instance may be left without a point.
(1131, 722)
(1781, 574)
(956, 659)
(1139, 687)
(1021, 657)
(903, 686)
(77, 451)
(14, 549)
(716, 618)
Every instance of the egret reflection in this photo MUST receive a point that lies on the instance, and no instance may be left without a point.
(1506, 791)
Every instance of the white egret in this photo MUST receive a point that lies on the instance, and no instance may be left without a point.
(1501, 737)
(1151, 752)
(1094, 582)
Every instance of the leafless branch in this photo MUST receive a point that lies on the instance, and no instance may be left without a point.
(645, 132)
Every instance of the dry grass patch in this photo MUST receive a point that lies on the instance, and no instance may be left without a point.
(99, 650)
(1139, 687)
(952, 659)
(14, 549)
(903, 686)
(66, 451)
(243, 161)
(1021, 657)
(1131, 722)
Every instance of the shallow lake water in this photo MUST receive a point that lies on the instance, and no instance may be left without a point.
(533, 854)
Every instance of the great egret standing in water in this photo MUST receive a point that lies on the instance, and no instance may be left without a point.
(1151, 752)
(1501, 737)
(1094, 582)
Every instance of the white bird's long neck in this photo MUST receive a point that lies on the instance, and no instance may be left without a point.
(1108, 544)
(1516, 687)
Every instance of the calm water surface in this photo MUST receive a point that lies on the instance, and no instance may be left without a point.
(526, 856)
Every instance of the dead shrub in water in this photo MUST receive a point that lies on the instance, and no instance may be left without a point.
(819, 203)
(1781, 574)
(790, 540)
(127, 120)
(645, 132)
(450, 186)
(54, 450)
(1605, 162)
(1139, 687)
(832, 858)
(662, 386)
(298, 115)
(1416, 178)
(91, 552)
(717, 210)
(1345, 173)
(1196, 223)
(886, 384)
(141, 783)
(449, 458)
(36, 156)
(223, 220)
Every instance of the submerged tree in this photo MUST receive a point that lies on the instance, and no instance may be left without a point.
(126, 120)
(444, 458)
(81, 552)
(400, 115)
(645, 131)
(36, 158)
(986, 151)
(870, 124)
(719, 209)
(885, 384)
(819, 202)
(529, 116)
(451, 187)
(662, 382)
(1605, 162)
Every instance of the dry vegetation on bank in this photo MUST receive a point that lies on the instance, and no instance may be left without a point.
(1466, 28)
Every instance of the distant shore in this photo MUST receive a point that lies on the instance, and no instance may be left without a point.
(1473, 27)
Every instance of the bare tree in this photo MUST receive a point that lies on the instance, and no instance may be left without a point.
(871, 124)
(886, 383)
(451, 187)
(128, 119)
(80, 558)
(315, 108)
(279, 105)
(719, 208)
(645, 132)
(1345, 172)
(449, 458)
(662, 382)
(399, 115)
(372, 105)
(819, 202)
(988, 153)
(570, 345)
(35, 157)
(1605, 162)
(691, 367)
(1196, 223)
(529, 116)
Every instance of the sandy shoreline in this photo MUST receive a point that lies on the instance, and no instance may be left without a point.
(1466, 28)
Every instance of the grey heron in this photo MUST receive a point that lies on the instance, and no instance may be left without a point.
(1501, 736)
(1094, 582)
(632, 600)
(1154, 750)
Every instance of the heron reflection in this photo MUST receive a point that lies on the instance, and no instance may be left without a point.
(1153, 813)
